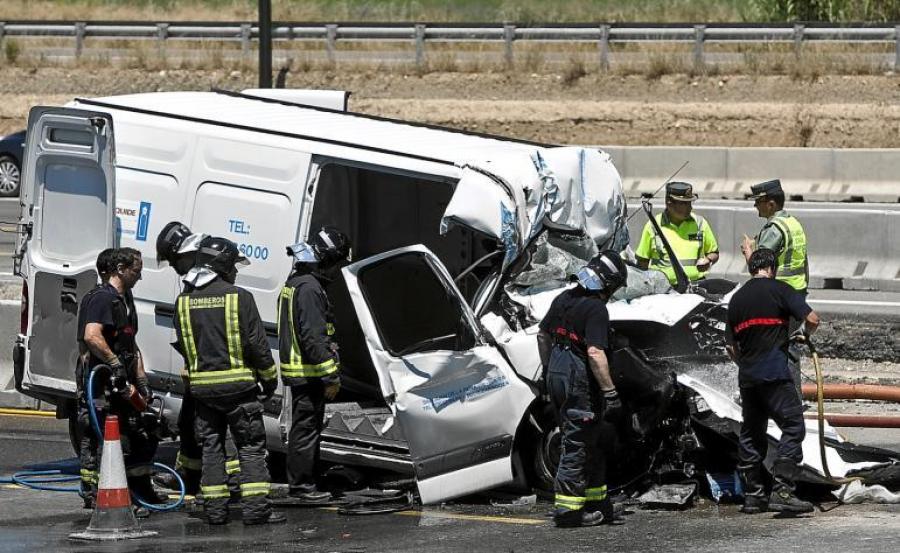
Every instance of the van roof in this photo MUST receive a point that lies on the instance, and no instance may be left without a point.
(318, 124)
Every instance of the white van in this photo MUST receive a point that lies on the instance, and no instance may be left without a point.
(460, 242)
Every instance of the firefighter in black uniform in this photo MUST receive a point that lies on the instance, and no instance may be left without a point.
(87, 441)
(308, 353)
(757, 339)
(573, 342)
(177, 246)
(223, 342)
(108, 327)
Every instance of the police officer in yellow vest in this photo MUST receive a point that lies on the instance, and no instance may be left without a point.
(690, 236)
(784, 235)
(309, 354)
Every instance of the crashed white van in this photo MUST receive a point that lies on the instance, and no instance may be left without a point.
(460, 242)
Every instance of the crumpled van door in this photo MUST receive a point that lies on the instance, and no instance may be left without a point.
(457, 400)
(69, 203)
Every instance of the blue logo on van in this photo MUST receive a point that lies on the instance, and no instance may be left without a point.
(143, 222)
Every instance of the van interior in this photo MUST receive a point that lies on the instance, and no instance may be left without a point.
(381, 209)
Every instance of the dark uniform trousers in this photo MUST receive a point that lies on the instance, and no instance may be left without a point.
(243, 415)
(778, 401)
(138, 445)
(190, 452)
(581, 476)
(307, 423)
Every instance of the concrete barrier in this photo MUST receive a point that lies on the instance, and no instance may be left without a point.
(819, 174)
(850, 248)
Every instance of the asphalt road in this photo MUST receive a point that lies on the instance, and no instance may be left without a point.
(41, 521)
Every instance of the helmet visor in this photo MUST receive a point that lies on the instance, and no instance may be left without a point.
(302, 252)
(589, 279)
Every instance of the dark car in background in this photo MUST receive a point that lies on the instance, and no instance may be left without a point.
(12, 149)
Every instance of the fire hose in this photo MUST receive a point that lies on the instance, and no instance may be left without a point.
(820, 401)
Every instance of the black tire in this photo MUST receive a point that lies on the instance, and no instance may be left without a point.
(10, 176)
(539, 449)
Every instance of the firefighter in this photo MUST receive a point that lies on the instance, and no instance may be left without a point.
(574, 345)
(87, 441)
(689, 235)
(784, 235)
(309, 354)
(757, 339)
(108, 327)
(177, 246)
(230, 368)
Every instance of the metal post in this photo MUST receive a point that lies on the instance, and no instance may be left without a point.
(265, 44)
(79, 38)
(330, 41)
(798, 39)
(699, 37)
(604, 47)
(245, 38)
(509, 35)
(162, 33)
(896, 47)
(420, 45)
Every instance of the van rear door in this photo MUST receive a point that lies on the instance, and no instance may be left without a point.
(68, 211)
(456, 398)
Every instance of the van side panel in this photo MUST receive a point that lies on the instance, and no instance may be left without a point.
(251, 193)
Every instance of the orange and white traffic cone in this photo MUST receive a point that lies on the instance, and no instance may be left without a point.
(113, 518)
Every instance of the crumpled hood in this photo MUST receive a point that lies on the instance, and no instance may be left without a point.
(508, 198)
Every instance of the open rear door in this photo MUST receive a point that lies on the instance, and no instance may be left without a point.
(457, 400)
(68, 201)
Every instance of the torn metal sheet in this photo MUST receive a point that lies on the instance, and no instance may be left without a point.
(666, 309)
(723, 406)
(675, 496)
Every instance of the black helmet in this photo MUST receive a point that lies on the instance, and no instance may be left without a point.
(170, 239)
(326, 247)
(606, 272)
(221, 255)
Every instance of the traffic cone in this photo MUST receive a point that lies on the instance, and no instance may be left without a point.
(113, 518)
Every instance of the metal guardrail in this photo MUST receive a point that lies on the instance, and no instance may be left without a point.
(420, 33)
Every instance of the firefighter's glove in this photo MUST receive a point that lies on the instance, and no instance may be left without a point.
(800, 336)
(118, 375)
(143, 386)
(612, 407)
(332, 384)
(267, 389)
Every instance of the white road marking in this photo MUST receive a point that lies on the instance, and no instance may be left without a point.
(10, 302)
(856, 302)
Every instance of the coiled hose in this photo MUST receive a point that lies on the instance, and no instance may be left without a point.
(95, 423)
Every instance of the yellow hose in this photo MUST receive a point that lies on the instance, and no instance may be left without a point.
(820, 399)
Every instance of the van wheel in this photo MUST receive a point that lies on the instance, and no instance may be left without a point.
(540, 451)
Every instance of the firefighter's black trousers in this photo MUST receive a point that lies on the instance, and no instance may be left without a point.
(188, 461)
(307, 421)
(777, 401)
(243, 415)
(581, 476)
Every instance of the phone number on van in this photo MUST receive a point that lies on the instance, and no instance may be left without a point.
(254, 252)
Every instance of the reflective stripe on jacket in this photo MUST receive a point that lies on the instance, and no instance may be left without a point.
(222, 339)
(793, 263)
(305, 331)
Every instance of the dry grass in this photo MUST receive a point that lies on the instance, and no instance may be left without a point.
(381, 10)
(571, 62)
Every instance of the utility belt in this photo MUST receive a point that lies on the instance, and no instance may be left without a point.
(568, 339)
